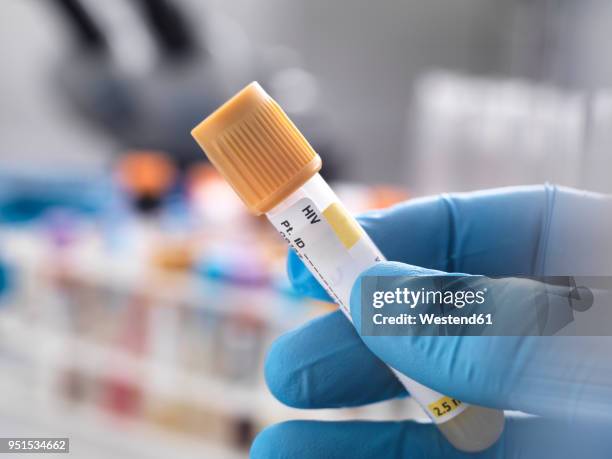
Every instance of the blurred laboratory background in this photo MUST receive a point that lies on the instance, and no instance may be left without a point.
(137, 297)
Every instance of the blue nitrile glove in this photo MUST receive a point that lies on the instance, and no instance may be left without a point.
(514, 231)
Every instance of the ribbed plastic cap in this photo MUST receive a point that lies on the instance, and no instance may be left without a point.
(256, 147)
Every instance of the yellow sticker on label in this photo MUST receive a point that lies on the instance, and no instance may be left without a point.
(344, 225)
(443, 406)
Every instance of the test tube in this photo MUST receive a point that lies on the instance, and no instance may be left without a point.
(275, 171)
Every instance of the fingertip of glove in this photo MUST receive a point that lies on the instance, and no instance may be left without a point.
(272, 440)
(277, 372)
(302, 281)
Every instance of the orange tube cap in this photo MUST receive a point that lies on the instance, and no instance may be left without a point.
(257, 149)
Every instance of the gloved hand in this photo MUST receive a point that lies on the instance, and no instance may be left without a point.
(566, 380)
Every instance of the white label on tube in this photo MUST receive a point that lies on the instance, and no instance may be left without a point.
(336, 250)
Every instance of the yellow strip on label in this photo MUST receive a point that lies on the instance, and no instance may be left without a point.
(344, 225)
(443, 406)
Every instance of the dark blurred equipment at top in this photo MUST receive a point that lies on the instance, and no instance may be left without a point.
(85, 29)
(170, 28)
(153, 106)
(146, 110)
